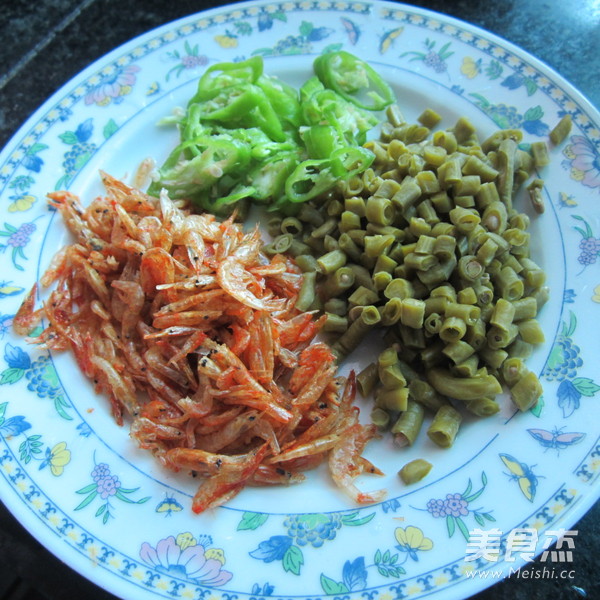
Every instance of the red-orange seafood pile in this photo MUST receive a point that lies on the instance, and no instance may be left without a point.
(188, 310)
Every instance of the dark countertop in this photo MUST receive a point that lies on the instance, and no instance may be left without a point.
(47, 42)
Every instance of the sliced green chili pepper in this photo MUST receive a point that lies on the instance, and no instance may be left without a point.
(283, 99)
(244, 106)
(225, 75)
(351, 160)
(309, 179)
(354, 80)
(214, 158)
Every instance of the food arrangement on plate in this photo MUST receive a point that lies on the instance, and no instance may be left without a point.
(329, 300)
(415, 232)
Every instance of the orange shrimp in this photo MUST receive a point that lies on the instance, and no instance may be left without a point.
(274, 475)
(344, 462)
(228, 482)
(311, 360)
(316, 446)
(156, 268)
(235, 279)
(202, 461)
(26, 319)
(192, 331)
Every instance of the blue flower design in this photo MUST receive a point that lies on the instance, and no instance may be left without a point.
(16, 358)
(84, 429)
(14, 426)
(354, 574)
(266, 590)
(319, 33)
(33, 163)
(272, 549)
(536, 127)
(568, 397)
(512, 82)
(84, 130)
(390, 505)
(64, 113)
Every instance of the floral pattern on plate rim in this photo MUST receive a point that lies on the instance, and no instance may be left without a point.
(85, 125)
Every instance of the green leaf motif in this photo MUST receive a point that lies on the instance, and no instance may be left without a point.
(81, 160)
(463, 528)
(251, 521)
(3, 411)
(35, 148)
(36, 332)
(494, 70)
(87, 489)
(121, 496)
(482, 102)
(535, 113)
(293, 560)
(60, 404)
(353, 522)
(443, 51)
(332, 48)
(313, 520)
(530, 86)
(396, 571)
(11, 375)
(587, 232)
(467, 489)
(555, 358)
(450, 525)
(306, 28)
(69, 137)
(109, 129)
(536, 411)
(86, 501)
(585, 386)
(330, 586)
(243, 28)
(572, 324)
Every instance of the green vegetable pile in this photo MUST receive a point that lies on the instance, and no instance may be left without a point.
(248, 137)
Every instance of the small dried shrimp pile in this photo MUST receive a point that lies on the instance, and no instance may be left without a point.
(189, 311)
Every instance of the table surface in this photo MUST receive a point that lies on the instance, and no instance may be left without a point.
(47, 42)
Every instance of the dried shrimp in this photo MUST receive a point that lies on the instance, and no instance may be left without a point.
(193, 335)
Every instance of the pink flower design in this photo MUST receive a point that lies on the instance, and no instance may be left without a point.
(455, 505)
(584, 161)
(185, 561)
(113, 87)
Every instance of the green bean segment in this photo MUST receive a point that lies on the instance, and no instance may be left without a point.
(427, 242)
(444, 426)
(414, 471)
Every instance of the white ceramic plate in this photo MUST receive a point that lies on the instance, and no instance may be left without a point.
(77, 481)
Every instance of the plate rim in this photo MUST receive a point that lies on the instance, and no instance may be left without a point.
(54, 543)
